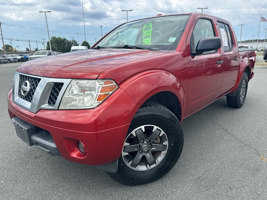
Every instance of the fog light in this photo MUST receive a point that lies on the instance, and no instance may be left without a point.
(81, 147)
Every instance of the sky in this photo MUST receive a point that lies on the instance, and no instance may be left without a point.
(21, 20)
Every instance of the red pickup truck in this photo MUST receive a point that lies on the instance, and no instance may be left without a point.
(119, 105)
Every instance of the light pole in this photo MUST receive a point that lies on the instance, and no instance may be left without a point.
(265, 35)
(101, 30)
(202, 9)
(126, 13)
(241, 27)
(47, 11)
(83, 23)
(2, 38)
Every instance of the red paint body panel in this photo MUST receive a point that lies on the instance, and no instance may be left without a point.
(196, 81)
(102, 129)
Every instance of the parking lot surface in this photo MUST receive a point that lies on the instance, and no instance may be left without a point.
(224, 157)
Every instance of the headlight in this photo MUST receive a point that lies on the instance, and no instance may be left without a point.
(83, 94)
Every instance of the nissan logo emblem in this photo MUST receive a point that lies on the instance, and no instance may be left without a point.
(25, 88)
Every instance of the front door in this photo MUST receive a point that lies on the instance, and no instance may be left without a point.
(204, 71)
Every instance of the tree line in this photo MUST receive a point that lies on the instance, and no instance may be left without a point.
(63, 45)
(57, 43)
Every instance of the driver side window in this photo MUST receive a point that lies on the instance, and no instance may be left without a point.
(202, 29)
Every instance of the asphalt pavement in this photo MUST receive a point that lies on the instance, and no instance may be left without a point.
(224, 157)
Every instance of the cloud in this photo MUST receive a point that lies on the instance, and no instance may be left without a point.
(109, 12)
(66, 15)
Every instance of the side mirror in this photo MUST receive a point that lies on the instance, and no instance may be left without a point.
(208, 44)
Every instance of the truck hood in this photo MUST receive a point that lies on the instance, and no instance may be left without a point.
(84, 64)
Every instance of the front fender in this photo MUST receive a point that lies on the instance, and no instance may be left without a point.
(146, 84)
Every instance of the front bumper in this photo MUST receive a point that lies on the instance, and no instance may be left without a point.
(102, 130)
(33, 135)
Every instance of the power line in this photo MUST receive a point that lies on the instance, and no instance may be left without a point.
(39, 30)
(51, 31)
(22, 40)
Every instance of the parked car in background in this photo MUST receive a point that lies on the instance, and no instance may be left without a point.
(22, 57)
(78, 48)
(265, 55)
(11, 58)
(3, 59)
(42, 53)
(245, 47)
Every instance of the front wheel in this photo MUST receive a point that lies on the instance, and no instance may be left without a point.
(152, 146)
(239, 98)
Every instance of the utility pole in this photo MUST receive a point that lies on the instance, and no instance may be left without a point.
(241, 26)
(202, 9)
(265, 35)
(30, 45)
(37, 44)
(2, 38)
(126, 13)
(78, 38)
(72, 41)
(43, 43)
(48, 11)
(101, 30)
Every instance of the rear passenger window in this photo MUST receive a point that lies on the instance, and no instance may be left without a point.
(202, 29)
(227, 38)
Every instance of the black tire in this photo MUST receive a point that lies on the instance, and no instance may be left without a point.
(265, 54)
(153, 128)
(238, 100)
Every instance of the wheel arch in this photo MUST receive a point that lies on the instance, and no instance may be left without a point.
(167, 99)
(244, 67)
(157, 86)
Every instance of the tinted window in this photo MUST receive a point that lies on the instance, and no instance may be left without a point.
(202, 29)
(229, 34)
(227, 38)
(159, 33)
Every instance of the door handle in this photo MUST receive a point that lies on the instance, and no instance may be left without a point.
(219, 62)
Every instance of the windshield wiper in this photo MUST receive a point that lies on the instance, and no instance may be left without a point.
(127, 46)
(100, 47)
(132, 47)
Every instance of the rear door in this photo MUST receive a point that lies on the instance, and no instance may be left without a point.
(230, 57)
(204, 71)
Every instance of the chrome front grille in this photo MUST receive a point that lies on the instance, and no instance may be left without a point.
(34, 93)
(33, 83)
(54, 93)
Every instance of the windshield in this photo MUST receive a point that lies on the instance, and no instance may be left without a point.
(159, 33)
(40, 53)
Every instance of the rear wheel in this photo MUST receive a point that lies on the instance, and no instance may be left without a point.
(239, 98)
(151, 148)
